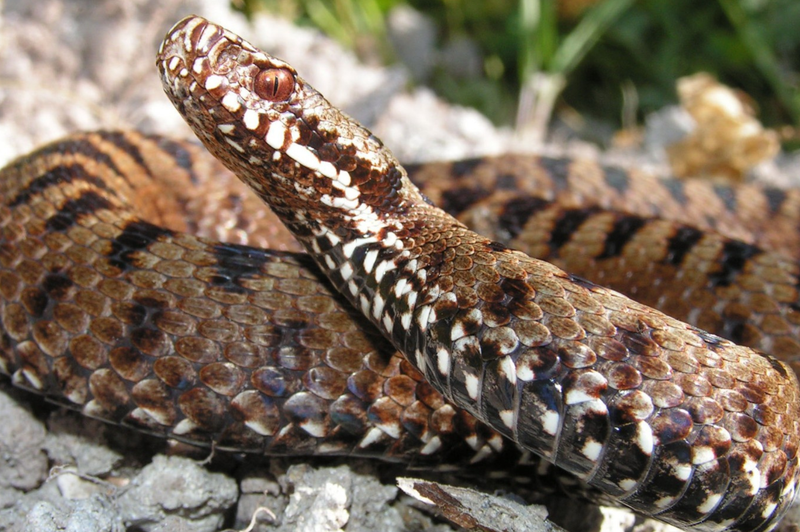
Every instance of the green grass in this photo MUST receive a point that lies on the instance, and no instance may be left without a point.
(529, 50)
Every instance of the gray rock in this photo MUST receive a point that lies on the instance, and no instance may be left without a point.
(178, 488)
(23, 463)
(96, 514)
(372, 507)
(80, 441)
(319, 500)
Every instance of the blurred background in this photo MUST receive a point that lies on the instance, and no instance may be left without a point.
(591, 64)
(683, 87)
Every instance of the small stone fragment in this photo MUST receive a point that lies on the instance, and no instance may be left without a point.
(180, 488)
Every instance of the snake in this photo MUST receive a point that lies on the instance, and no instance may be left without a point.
(400, 334)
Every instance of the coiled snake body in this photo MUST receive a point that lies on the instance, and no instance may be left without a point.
(144, 325)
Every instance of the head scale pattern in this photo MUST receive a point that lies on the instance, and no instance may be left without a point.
(289, 144)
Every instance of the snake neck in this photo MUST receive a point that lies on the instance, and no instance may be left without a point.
(382, 267)
(334, 185)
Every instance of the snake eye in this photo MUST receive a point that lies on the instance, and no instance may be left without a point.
(274, 84)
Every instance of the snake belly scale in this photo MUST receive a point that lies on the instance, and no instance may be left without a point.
(139, 324)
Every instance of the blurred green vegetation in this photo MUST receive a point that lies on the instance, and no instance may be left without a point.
(583, 54)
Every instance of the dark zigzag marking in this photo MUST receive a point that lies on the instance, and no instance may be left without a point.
(179, 154)
(507, 181)
(681, 243)
(775, 198)
(466, 167)
(136, 236)
(726, 194)
(625, 228)
(558, 170)
(517, 212)
(236, 262)
(57, 175)
(735, 255)
(567, 224)
(676, 189)
(81, 147)
(458, 200)
(72, 210)
(122, 141)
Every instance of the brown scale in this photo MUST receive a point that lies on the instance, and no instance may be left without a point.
(254, 222)
(561, 405)
(767, 217)
(730, 287)
(196, 327)
(756, 308)
(189, 338)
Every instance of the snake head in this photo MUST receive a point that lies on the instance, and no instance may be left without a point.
(303, 156)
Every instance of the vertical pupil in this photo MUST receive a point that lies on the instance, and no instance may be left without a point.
(274, 84)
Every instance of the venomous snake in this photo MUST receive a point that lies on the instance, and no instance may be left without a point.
(137, 323)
